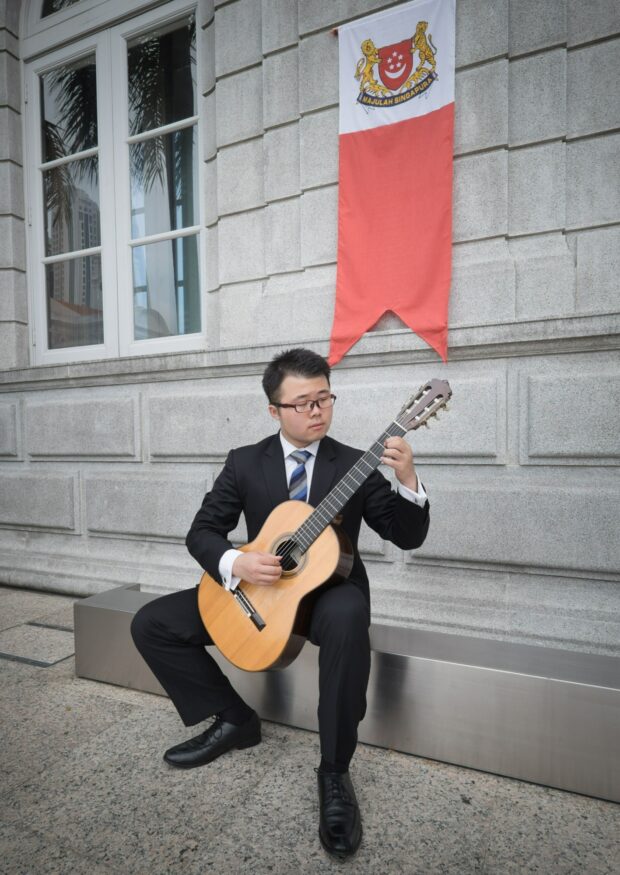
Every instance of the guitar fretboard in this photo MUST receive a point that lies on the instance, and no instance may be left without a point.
(333, 503)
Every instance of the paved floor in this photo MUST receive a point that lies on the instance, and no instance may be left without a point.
(84, 789)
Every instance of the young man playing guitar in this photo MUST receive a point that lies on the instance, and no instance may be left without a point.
(169, 631)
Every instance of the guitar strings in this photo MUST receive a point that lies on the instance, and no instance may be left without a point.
(318, 511)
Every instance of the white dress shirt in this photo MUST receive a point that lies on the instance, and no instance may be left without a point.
(226, 562)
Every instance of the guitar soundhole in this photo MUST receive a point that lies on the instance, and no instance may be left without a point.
(292, 557)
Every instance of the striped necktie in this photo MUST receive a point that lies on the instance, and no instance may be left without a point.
(298, 486)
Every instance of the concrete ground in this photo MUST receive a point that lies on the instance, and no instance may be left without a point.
(84, 788)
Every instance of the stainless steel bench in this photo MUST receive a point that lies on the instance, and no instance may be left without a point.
(535, 713)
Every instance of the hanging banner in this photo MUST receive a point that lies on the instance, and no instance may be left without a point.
(395, 172)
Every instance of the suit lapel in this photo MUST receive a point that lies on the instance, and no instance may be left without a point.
(324, 472)
(275, 471)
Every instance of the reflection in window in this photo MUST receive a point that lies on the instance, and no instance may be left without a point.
(74, 302)
(51, 6)
(71, 207)
(166, 288)
(70, 175)
(69, 109)
(162, 77)
(164, 178)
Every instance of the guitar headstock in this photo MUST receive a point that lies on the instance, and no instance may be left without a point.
(427, 401)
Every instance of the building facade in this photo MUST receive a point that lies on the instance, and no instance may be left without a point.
(168, 221)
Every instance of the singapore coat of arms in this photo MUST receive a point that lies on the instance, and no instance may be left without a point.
(399, 77)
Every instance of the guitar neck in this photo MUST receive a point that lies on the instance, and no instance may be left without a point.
(333, 503)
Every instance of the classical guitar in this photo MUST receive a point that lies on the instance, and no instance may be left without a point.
(264, 627)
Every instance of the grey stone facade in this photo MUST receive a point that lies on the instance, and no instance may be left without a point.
(104, 464)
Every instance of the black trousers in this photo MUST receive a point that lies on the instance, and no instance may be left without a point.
(171, 637)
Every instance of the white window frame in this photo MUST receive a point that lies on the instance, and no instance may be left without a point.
(110, 48)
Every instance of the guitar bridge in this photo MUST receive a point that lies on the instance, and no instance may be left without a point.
(249, 610)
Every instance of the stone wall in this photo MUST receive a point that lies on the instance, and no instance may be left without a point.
(104, 464)
(13, 298)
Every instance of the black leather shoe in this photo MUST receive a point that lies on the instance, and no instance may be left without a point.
(216, 740)
(340, 824)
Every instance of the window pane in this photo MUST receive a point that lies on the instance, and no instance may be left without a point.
(71, 193)
(69, 109)
(164, 194)
(74, 302)
(166, 293)
(51, 6)
(162, 77)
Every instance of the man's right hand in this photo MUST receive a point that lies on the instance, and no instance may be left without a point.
(257, 567)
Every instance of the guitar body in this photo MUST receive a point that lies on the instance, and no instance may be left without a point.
(284, 607)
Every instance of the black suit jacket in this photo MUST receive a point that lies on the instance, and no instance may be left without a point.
(253, 481)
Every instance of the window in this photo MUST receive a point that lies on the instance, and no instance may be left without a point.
(115, 241)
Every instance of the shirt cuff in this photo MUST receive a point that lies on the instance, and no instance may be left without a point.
(420, 497)
(229, 581)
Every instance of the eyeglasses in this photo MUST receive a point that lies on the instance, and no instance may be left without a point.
(308, 406)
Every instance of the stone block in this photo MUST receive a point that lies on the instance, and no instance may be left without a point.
(207, 58)
(317, 14)
(241, 246)
(13, 296)
(11, 189)
(14, 346)
(597, 254)
(319, 224)
(279, 23)
(38, 501)
(211, 214)
(10, 135)
(238, 36)
(282, 250)
(205, 424)
(319, 148)
(545, 276)
(366, 409)
(282, 162)
(142, 506)
(281, 88)
(513, 523)
(481, 30)
(9, 15)
(480, 196)
(483, 283)
(593, 93)
(537, 98)
(208, 123)
(12, 243)
(481, 107)
(252, 313)
(10, 82)
(536, 26)
(555, 427)
(240, 177)
(8, 42)
(537, 188)
(592, 20)
(593, 181)
(97, 428)
(319, 52)
(8, 430)
(239, 106)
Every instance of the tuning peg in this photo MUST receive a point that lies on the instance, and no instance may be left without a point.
(446, 406)
(426, 423)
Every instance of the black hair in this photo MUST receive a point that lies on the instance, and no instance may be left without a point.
(296, 362)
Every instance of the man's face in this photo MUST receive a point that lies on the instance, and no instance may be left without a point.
(301, 429)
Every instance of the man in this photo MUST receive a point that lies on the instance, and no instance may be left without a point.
(303, 463)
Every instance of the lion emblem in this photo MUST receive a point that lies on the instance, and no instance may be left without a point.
(364, 70)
